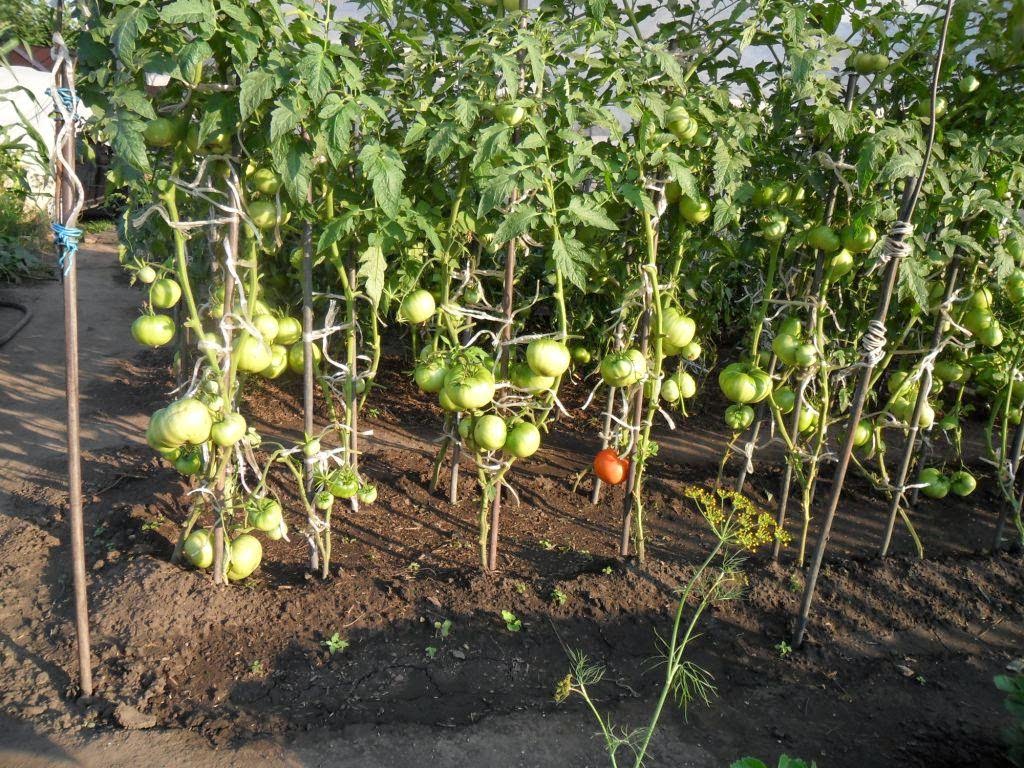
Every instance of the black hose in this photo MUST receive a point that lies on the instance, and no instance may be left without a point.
(25, 317)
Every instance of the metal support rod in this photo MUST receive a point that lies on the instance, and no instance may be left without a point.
(856, 410)
(307, 364)
(635, 417)
(228, 386)
(507, 298)
(1004, 514)
(911, 193)
(924, 389)
(64, 205)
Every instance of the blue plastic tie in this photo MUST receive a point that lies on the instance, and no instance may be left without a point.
(70, 100)
(67, 239)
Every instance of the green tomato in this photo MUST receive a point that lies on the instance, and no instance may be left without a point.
(146, 274)
(948, 371)
(198, 548)
(289, 330)
(962, 483)
(784, 399)
(785, 347)
(935, 485)
(686, 384)
(446, 402)
(266, 324)
(266, 515)
(580, 355)
(163, 132)
(188, 463)
(278, 362)
(367, 494)
(823, 238)
(858, 236)
(679, 329)
(228, 430)
(690, 351)
(469, 387)
(840, 265)
(185, 421)
(992, 336)
(264, 215)
(548, 357)
(922, 108)
(429, 376)
(791, 326)
(969, 83)
(252, 354)
(774, 227)
(265, 180)
(808, 418)
(619, 369)
(737, 385)
(670, 391)
(490, 432)
(864, 63)
(153, 330)
(510, 114)
(297, 357)
(522, 441)
(524, 377)
(739, 417)
(246, 553)
(695, 211)
(418, 307)
(343, 483)
(311, 448)
(164, 293)
(805, 355)
(862, 433)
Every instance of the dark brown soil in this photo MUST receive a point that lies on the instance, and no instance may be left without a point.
(898, 665)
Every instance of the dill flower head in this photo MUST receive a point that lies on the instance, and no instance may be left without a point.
(734, 518)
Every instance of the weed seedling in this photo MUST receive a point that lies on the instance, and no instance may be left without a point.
(335, 644)
(783, 648)
(512, 622)
(558, 597)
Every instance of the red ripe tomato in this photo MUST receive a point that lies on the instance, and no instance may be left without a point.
(610, 467)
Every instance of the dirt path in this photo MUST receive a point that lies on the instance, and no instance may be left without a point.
(114, 414)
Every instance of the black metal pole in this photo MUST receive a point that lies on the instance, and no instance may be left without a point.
(924, 389)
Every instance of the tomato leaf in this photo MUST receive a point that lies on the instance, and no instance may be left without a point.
(637, 198)
(317, 72)
(441, 143)
(187, 11)
(127, 142)
(515, 224)
(586, 211)
(386, 171)
(285, 118)
(372, 267)
(257, 86)
(570, 258)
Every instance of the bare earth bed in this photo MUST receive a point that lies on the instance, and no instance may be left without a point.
(898, 666)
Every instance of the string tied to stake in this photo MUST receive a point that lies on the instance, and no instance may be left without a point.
(70, 100)
(66, 238)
